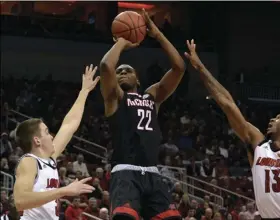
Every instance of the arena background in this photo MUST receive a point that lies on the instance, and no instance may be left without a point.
(46, 45)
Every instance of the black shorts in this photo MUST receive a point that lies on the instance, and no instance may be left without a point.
(133, 193)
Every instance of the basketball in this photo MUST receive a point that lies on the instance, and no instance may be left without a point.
(130, 25)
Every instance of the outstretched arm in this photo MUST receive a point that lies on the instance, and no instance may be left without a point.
(110, 89)
(73, 118)
(24, 196)
(248, 133)
(170, 81)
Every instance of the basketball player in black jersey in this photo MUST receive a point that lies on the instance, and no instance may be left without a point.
(136, 187)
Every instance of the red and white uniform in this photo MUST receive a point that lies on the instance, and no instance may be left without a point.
(46, 179)
(266, 180)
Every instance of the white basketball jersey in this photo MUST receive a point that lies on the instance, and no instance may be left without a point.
(266, 180)
(46, 179)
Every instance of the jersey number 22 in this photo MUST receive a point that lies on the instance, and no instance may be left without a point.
(144, 114)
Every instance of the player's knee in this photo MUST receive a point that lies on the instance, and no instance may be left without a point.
(122, 217)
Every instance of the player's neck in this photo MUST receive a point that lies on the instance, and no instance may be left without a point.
(40, 154)
(134, 90)
(276, 144)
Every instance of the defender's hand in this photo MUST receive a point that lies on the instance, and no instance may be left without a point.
(192, 55)
(127, 44)
(88, 82)
(79, 187)
(152, 29)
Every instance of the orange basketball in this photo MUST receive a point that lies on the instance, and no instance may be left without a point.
(130, 25)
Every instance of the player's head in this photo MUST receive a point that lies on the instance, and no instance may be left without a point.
(273, 129)
(127, 77)
(33, 136)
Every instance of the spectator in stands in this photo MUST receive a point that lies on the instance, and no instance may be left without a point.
(184, 205)
(192, 168)
(250, 213)
(4, 165)
(98, 192)
(242, 216)
(206, 202)
(73, 211)
(207, 170)
(217, 216)
(79, 165)
(223, 150)
(100, 175)
(6, 146)
(229, 217)
(169, 147)
(221, 169)
(235, 213)
(206, 199)
(108, 172)
(4, 200)
(165, 171)
(92, 208)
(11, 213)
(13, 161)
(63, 179)
(105, 201)
(191, 213)
(194, 204)
(104, 214)
(208, 214)
(79, 175)
(176, 200)
(69, 171)
(178, 189)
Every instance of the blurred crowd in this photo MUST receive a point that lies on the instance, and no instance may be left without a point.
(72, 29)
(195, 136)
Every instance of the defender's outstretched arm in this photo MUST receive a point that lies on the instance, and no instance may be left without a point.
(248, 133)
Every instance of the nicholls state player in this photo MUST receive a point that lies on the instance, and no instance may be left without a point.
(136, 187)
(266, 159)
(36, 191)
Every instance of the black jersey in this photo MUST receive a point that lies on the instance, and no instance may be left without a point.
(135, 130)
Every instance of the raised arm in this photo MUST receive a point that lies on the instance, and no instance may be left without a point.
(170, 81)
(24, 196)
(248, 133)
(110, 89)
(73, 118)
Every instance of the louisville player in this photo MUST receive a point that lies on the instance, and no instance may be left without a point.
(36, 191)
(266, 157)
(136, 187)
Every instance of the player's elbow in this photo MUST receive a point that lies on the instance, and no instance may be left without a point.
(105, 66)
(19, 203)
(179, 65)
